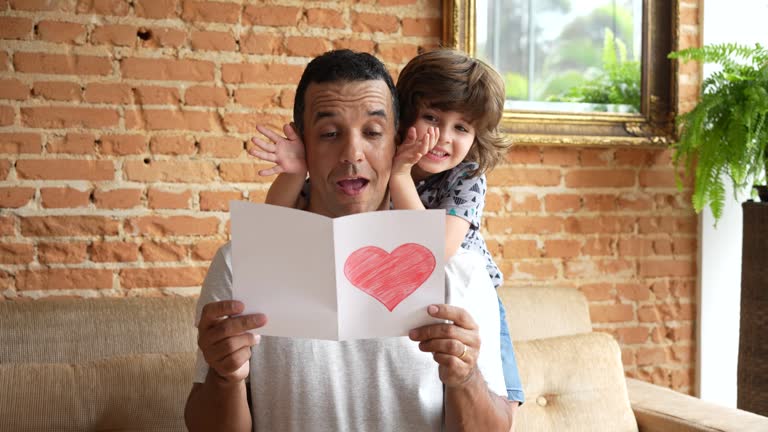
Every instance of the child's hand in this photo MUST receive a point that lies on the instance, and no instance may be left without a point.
(286, 152)
(411, 150)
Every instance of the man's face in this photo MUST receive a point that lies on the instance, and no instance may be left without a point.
(349, 134)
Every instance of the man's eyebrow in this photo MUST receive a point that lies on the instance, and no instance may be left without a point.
(323, 114)
(378, 113)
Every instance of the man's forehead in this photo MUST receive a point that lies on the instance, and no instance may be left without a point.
(369, 93)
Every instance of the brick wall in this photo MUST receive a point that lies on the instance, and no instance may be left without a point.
(124, 125)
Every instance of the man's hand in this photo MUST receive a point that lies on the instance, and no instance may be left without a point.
(412, 149)
(224, 339)
(286, 152)
(455, 347)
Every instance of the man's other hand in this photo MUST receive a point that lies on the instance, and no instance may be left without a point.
(224, 339)
(455, 347)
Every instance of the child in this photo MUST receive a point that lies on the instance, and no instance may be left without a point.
(450, 108)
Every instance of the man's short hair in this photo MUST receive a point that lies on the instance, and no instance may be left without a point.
(339, 66)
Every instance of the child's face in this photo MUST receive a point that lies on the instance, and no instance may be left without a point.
(456, 138)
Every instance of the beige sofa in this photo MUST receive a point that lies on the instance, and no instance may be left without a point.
(126, 365)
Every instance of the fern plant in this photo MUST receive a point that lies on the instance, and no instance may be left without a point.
(726, 133)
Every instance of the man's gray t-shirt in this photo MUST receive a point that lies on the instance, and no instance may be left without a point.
(383, 384)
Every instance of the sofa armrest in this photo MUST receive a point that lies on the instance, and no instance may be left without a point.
(659, 409)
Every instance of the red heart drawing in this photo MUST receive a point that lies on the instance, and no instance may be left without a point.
(389, 277)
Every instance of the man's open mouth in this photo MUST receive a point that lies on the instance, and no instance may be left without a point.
(352, 186)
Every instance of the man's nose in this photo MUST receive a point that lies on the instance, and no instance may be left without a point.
(352, 152)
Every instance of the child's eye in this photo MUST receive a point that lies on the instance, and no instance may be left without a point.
(429, 118)
(462, 128)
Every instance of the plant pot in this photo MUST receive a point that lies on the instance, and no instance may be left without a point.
(762, 192)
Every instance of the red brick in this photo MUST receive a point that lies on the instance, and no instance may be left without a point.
(162, 37)
(156, 9)
(273, 73)
(160, 199)
(170, 171)
(272, 16)
(369, 23)
(600, 224)
(167, 69)
(115, 34)
(600, 202)
(151, 119)
(44, 63)
(306, 46)
(598, 291)
(62, 253)
(16, 253)
(648, 314)
(147, 95)
(562, 203)
(355, 45)
(521, 249)
(632, 157)
(651, 356)
(206, 96)
(7, 225)
(172, 145)
(634, 201)
(598, 247)
(69, 117)
(104, 7)
(516, 176)
(117, 198)
(585, 178)
(423, 27)
(635, 247)
(261, 43)
(596, 157)
(7, 115)
(612, 313)
(61, 32)
(659, 268)
(173, 225)
(637, 292)
(523, 202)
(111, 93)
(535, 270)
(15, 197)
(67, 226)
(209, 11)
(680, 332)
(5, 169)
(205, 250)
(122, 145)
(287, 97)
(245, 123)
(659, 178)
(114, 251)
(213, 41)
(218, 200)
(163, 251)
(3, 61)
(15, 28)
(73, 143)
(256, 97)
(326, 18)
(562, 248)
(395, 2)
(60, 91)
(64, 197)
(397, 52)
(685, 246)
(238, 172)
(162, 277)
(632, 335)
(61, 279)
(22, 142)
(525, 224)
(221, 147)
(13, 89)
(65, 169)
(40, 5)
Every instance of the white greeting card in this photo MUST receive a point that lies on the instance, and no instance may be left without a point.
(361, 276)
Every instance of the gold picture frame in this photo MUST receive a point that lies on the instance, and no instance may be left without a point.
(653, 126)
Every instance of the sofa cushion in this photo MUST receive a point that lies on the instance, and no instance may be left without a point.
(573, 383)
(542, 312)
(79, 330)
(144, 392)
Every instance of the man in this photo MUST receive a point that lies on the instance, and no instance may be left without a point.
(346, 112)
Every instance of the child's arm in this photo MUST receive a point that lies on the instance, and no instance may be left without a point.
(403, 190)
(288, 155)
